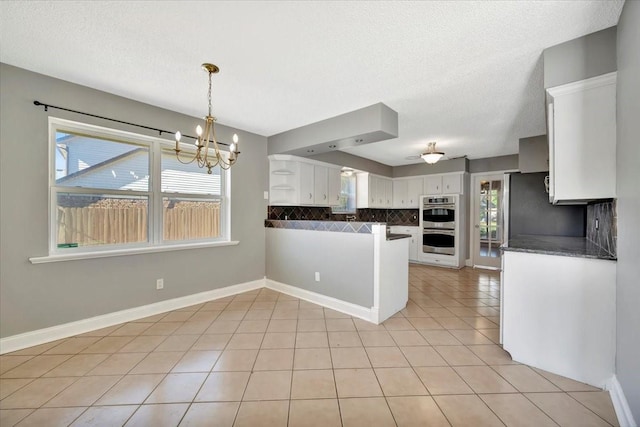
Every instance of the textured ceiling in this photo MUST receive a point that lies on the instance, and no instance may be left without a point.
(467, 74)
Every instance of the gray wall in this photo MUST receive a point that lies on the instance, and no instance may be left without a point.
(493, 164)
(293, 257)
(356, 162)
(423, 168)
(628, 176)
(531, 213)
(588, 56)
(39, 296)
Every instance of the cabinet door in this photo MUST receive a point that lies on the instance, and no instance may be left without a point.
(320, 186)
(388, 193)
(433, 184)
(400, 189)
(334, 186)
(306, 184)
(452, 184)
(584, 143)
(378, 191)
(414, 191)
(413, 248)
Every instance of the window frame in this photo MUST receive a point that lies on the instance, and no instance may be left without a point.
(155, 233)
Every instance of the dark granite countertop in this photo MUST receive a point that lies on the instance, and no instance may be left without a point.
(557, 245)
(396, 236)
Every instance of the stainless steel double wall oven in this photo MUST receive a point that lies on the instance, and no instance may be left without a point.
(438, 219)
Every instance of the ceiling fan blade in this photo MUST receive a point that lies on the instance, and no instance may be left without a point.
(413, 157)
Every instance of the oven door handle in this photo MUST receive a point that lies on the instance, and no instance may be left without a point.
(439, 231)
(447, 206)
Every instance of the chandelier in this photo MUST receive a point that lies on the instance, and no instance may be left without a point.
(207, 146)
(432, 156)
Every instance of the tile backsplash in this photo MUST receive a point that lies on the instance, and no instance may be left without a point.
(407, 217)
(602, 226)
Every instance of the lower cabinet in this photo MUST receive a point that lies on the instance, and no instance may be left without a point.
(558, 313)
(414, 242)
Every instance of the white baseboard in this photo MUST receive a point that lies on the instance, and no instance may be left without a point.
(620, 404)
(368, 314)
(468, 262)
(41, 336)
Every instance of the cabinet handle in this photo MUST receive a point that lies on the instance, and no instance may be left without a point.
(310, 196)
(324, 197)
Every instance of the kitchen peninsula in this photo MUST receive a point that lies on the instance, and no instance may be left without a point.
(352, 267)
(558, 306)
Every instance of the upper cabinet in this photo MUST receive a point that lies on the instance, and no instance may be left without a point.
(407, 192)
(295, 181)
(582, 140)
(373, 191)
(335, 183)
(443, 184)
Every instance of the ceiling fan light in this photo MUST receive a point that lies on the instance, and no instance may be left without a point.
(432, 158)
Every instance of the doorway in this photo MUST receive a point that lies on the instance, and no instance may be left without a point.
(488, 220)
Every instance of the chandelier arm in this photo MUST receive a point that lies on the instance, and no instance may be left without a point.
(188, 162)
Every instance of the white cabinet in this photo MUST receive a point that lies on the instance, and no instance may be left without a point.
(335, 183)
(373, 191)
(582, 140)
(295, 181)
(387, 201)
(320, 185)
(414, 241)
(433, 184)
(559, 314)
(406, 193)
(414, 191)
(452, 184)
(443, 184)
(284, 184)
(400, 193)
(307, 187)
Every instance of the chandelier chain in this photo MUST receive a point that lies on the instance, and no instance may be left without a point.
(210, 92)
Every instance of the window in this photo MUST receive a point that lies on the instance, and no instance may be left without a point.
(347, 195)
(112, 189)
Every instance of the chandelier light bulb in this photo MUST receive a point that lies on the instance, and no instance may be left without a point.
(235, 138)
(199, 130)
(178, 136)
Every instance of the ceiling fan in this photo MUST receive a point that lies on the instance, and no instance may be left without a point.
(432, 156)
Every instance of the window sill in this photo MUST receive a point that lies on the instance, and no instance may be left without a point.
(129, 251)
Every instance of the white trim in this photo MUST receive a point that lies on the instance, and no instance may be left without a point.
(129, 251)
(620, 404)
(41, 336)
(581, 85)
(368, 314)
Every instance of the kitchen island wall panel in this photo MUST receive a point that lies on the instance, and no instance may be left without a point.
(294, 256)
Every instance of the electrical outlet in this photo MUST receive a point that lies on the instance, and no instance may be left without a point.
(317, 276)
(160, 284)
(266, 195)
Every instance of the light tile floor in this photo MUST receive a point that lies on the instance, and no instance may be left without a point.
(266, 359)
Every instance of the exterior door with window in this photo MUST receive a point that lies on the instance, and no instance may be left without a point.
(488, 220)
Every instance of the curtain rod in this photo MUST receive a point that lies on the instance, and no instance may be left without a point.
(160, 131)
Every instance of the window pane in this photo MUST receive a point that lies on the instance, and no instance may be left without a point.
(95, 219)
(188, 178)
(90, 162)
(186, 219)
(347, 203)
